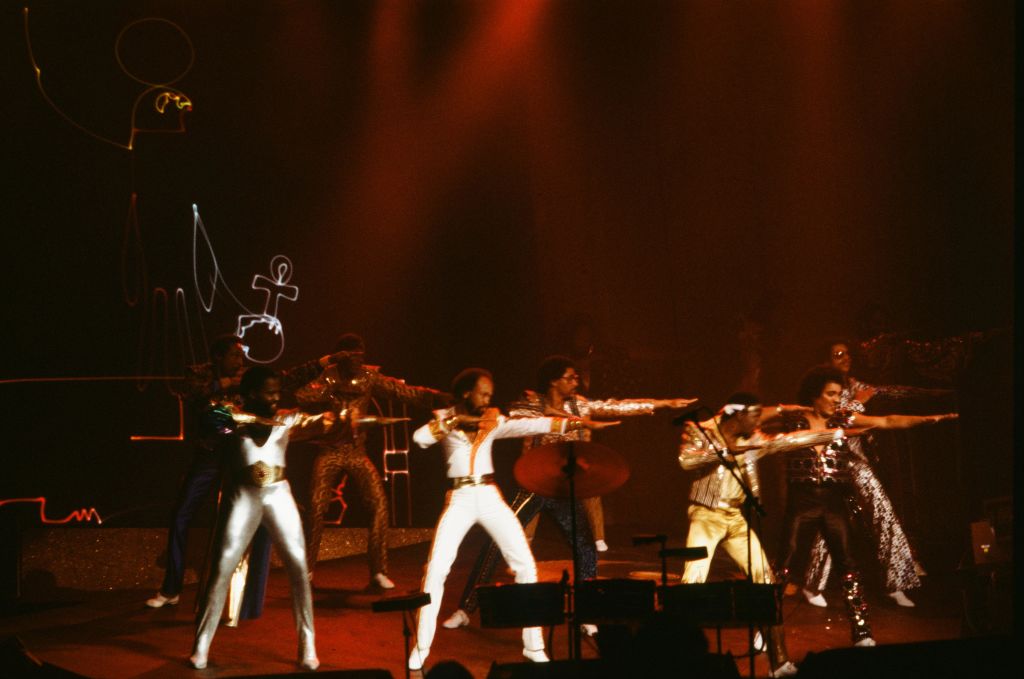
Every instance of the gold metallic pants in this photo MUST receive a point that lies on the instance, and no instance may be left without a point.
(728, 527)
(274, 507)
(711, 527)
(364, 478)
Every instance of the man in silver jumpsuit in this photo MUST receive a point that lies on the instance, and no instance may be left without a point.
(253, 445)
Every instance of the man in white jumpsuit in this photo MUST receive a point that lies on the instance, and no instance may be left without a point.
(466, 432)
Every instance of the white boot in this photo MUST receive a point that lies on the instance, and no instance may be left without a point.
(159, 601)
(535, 656)
(900, 598)
(456, 620)
(815, 599)
(418, 657)
(382, 581)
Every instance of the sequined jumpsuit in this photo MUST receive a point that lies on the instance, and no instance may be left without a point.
(876, 510)
(345, 451)
(818, 486)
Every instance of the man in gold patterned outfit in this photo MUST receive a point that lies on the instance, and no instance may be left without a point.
(349, 386)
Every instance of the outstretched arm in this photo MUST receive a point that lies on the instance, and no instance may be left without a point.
(900, 421)
(382, 386)
(628, 407)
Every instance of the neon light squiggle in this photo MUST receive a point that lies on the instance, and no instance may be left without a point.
(161, 92)
(275, 287)
(80, 515)
(339, 497)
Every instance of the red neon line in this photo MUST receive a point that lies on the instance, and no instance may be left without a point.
(80, 515)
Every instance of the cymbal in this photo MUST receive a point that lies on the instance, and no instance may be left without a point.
(599, 469)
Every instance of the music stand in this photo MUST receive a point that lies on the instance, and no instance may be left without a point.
(406, 604)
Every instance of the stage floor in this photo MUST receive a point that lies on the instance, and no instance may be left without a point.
(111, 634)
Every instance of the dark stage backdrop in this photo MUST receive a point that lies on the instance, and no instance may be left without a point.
(462, 182)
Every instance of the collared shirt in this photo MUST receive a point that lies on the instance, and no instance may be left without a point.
(472, 457)
(715, 487)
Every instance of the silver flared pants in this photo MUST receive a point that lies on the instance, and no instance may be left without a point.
(274, 507)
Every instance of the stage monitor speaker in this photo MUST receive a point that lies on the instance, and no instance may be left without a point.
(328, 674)
(535, 604)
(727, 603)
(17, 661)
(614, 600)
(960, 658)
(556, 669)
(708, 666)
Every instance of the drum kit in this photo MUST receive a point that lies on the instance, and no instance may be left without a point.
(574, 470)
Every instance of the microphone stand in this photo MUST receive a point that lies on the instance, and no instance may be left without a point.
(750, 505)
(575, 642)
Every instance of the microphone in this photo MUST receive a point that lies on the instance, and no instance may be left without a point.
(692, 414)
(648, 539)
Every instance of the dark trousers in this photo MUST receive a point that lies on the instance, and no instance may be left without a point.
(527, 505)
(201, 480)
(810, 508)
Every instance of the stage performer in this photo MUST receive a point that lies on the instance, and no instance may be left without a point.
(557, 382)
(216, 380)
(820, 480)
(466, 431)
(254, 456)
(349, 385)
(716, 499)
(900, 569)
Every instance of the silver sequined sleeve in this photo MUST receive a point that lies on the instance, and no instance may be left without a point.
(621, 407)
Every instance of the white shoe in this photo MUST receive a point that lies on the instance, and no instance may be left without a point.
(159, 601)
(866, 642)
(786, 669)
(457, 619)
(759, 645)
(601, 545)
(309, 662)
(535, 656)
(588, 629)
(382, 581)
(198, 660)
(900, 598)
(418, 657)
(815, 599)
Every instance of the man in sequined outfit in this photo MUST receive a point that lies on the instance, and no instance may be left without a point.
(901, 571)
(820, 481)
(717, 499)
(350, 386)
(557, 382)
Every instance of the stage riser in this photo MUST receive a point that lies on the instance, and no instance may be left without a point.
(133, 558)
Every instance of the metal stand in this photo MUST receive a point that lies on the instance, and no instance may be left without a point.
(575, 641)
(405, 604)
(396, 461)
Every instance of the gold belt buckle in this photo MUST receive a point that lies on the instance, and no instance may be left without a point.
(262, 474)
